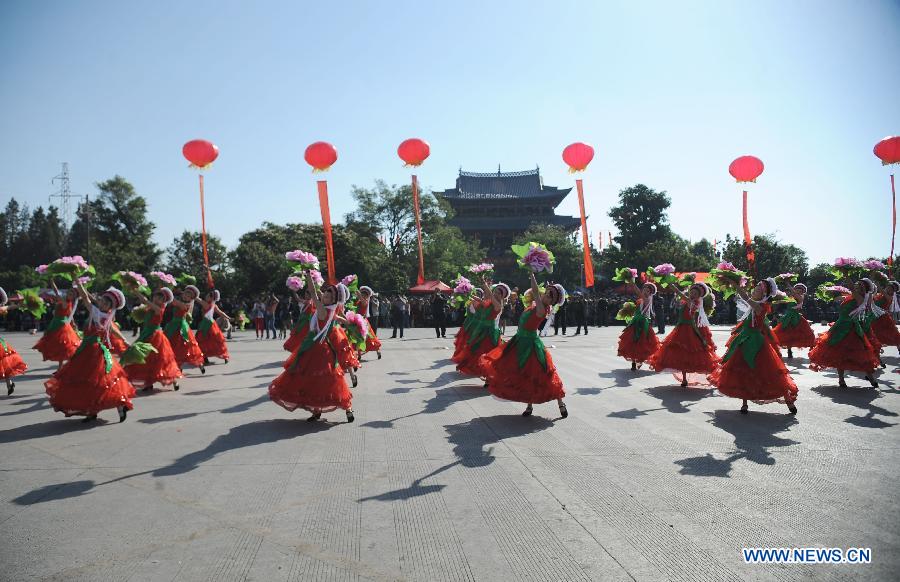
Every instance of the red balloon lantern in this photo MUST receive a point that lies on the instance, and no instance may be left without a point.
(578, 155)
(888, 150)
(200, 153)
(746, 168)
(321, 156)
(414, 151)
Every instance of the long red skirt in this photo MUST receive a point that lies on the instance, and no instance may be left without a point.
(159, 367)
(314, 384)
(640, 350)
(683, 351)
(11, 363)
(798, 336)
(373, 344)
(886, 330)
(212, 342)
(767, 381)
(851, 353)
(531, 384)
(468, 361)
(186, 351)
(83, 387)
(58, 345)
(117, 345)
(295, 339)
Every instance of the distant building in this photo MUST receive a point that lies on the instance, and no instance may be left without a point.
(496, 207)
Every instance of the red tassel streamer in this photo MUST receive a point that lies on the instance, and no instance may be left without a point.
(588, 263)
(209, 278)
(326, 224)
(415, 190)
(893, 220)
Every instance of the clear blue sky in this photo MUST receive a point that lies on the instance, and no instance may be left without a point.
(667, 92)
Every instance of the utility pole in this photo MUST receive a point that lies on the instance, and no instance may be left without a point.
(64, 194)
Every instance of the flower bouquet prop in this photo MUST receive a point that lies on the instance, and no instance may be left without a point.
(302, 260)
(185, 279)
(787, 278)
(846, 268)
(782, 298)
(462, 292)
(295, 283)
(663, 274)
(625, 275)
(626, 313)
(32, 302)
(727, 279)
(687, 279)
(830, 292)
(484, 269)
(535, 257)
(132, 282)
(160, 279)
(241, 319)
(357, 330)
(139, 314)
(68, 268)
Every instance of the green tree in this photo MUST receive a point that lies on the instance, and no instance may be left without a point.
(447, 252)
(121, 236)
(640, 218)
(185, 255)
(772, 256)
(569, 257)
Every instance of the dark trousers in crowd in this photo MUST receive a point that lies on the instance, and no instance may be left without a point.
(661, 321)
(440, 327)
(398, 324)
(559, 321)
(270, 326)
(373, 322)
(581, 324)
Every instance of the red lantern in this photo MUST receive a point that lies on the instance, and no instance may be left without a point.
(578, 155)
(888, 150)
(200, 153)
(320, 155)
(746, 168)
(414, 151)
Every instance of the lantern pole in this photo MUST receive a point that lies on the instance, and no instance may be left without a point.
(209, 278)
(893, 219)
(420, 278)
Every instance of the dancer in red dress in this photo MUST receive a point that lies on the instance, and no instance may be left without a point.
(475, 311)
(315, 380)
(883, 326)
(159, 366)
(638, 341)
(92, 380)
(793, 330)
(522, 370)
(484, 331)
(11, 363)
(373, 344)
(209, 334)
(752, 368)
(301, 326)
(116, 341)
(689, 348)
(179, 333)
(846, 345)
(60, 340)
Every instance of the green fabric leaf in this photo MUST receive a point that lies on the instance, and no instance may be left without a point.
(137, 353)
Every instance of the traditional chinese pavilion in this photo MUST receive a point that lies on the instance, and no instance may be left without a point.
(495, 207)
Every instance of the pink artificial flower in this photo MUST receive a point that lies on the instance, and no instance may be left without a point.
(664, 269)
(634, 273)
(463, 286)
(83, 280)
(316, 277)
(846, 262)
(538, 260)
(348, 280)
(137, 278)
(295, 283)
(726, 266)
(306, 259)
(359, 321)
(481, 268)
(164, 277)
(40, 269)
(873, 265)
(786, 276)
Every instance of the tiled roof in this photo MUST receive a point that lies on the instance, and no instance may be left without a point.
(518, 223)
(502, 185)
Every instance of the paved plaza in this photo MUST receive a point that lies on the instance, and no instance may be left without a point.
(437, 480)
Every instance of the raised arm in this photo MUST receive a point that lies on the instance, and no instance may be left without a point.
(203, 304)
(222, 313)
(536, 294)
(488, 292)
(680, 293)
(146, 302)
(743, 295)
(83, 293)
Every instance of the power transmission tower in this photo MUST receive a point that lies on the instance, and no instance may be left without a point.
(64, 194)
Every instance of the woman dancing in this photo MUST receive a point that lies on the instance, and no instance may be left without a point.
(522, 370)
(373, 344)
(793, 330)
(159, 366)
(484, 331)
(689, 348)
(315, 380)
(301, 326)
(60, 340)
(209, 334)
(11, 363)
(179, 332)
(846, 346)
(883, 326)
(92, 380)
(638, 341)
(752, 368)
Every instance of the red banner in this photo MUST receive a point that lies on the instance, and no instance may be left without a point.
(326, 224)
(209, 279)
(415, 189)
(748, 240)
(588, 263)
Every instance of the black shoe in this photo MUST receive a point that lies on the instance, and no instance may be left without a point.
(206, 361)
(744, 409)
(147, 388)
(528, 411)
(379, 355)
(314, 417)
(633, 366)
(872, 381)
(89, 418)
(576, 333)
(226, 360)
(123, 413)
(393, 337)
(203, 369)
(176, 387)
(10, 388)
(354, 380)
(350, 417)
(684, 384)
(792, 409)
(563, 411)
